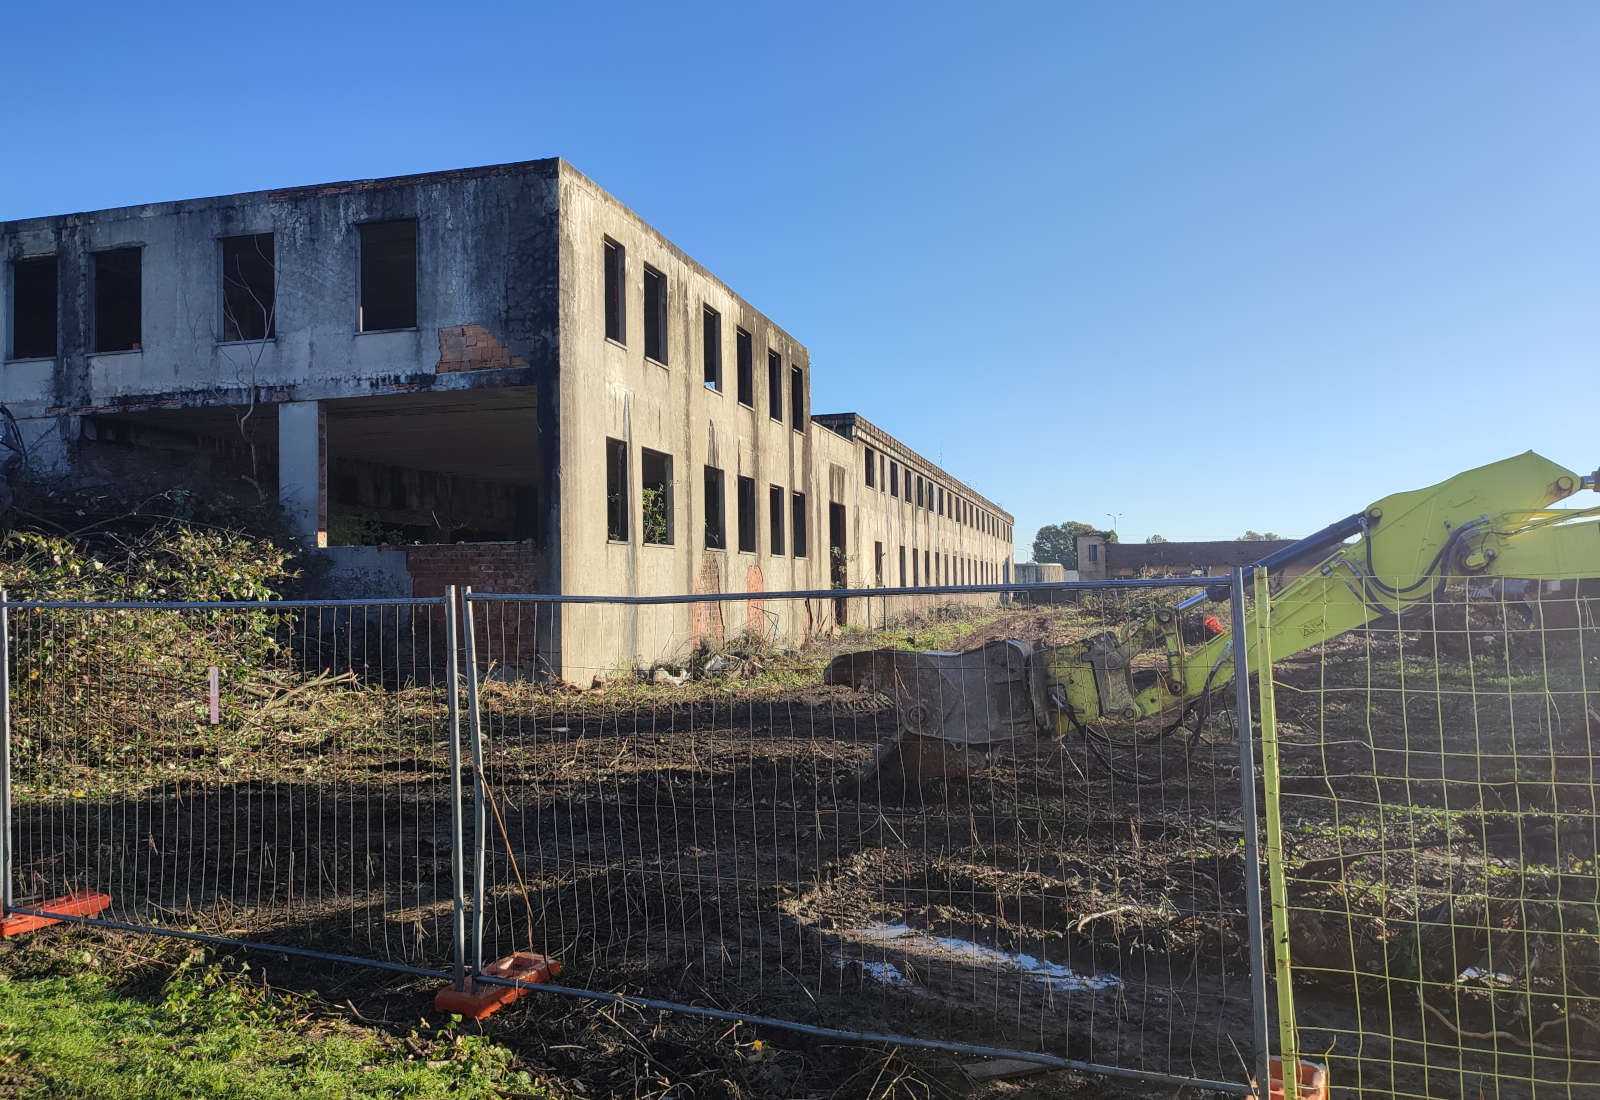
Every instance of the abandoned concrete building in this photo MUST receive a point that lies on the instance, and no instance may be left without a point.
(915, 525)
(496, 376)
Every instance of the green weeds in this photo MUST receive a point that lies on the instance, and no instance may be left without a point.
(210, 1031)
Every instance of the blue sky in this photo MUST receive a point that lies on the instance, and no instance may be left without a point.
(1210, 266)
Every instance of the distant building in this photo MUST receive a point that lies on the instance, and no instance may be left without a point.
(1101, 560)
(1044, 572)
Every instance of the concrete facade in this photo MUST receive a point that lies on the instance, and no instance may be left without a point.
(504, 358)
(912, 524)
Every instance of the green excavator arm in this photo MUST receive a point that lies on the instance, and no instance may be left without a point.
(1496, 520)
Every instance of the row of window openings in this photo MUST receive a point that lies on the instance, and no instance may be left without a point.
(656, 505)
(388, 277)
(656, 344)
(884, 473)
(937, 569)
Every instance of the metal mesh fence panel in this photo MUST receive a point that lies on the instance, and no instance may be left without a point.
(698, 802)
(275, 773)
(1437, 895)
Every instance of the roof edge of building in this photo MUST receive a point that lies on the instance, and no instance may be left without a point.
(543, 165)
(855, 420)
(567, 168)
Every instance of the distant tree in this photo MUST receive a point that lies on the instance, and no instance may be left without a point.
(1058, 542)
(1156, 538)
(1257, 536)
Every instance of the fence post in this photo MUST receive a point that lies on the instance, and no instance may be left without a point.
(5, 753)
(1288, 1043)
(479, 820)
(1252, 846)
(458, 857)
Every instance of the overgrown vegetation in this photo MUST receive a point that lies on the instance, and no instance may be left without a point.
(938, 629)
(82, 545)
(653, 505)
(85, 545)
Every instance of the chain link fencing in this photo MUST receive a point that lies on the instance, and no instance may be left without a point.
(267, 773)
(706, 812)
(1433, 837)
(709, 811)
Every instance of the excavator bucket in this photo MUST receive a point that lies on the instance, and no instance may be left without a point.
(951, 706)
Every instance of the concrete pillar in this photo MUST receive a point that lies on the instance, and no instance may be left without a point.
(303, 469)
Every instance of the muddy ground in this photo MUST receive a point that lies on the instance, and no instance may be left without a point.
(713, 843)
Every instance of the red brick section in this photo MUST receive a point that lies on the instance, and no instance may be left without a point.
(707, 618)
(471, 347)
(508, 635)
(755, 621)
(486, 566)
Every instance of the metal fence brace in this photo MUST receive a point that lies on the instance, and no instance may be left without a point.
(520, 969)
(476, 999)
(84, 903)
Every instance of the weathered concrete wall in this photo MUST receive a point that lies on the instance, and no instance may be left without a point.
(510, 318)
(1043, 572)
(943, 546)
(1091, 557)
(487, 280)
(610, 390)
(365, 572)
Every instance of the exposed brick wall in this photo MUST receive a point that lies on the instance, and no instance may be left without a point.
(471, 347)
(509, 636)
(755, 621)
(486, 566)
(707, 617)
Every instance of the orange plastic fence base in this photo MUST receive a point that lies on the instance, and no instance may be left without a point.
(524, 966)
(1313, 1081)
(85, 903)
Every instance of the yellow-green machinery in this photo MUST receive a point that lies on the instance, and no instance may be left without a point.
(1495, 521)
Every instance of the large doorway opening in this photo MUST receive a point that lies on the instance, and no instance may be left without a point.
(434, 468)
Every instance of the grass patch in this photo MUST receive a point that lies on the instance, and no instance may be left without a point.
(212, 1032)
(939, 629)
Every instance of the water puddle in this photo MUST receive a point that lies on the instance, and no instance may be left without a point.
(887, 973)
(925, 943)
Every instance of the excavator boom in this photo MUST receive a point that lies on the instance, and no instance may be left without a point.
(1496, 520)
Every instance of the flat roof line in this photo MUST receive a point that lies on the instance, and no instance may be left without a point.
(856, 420)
